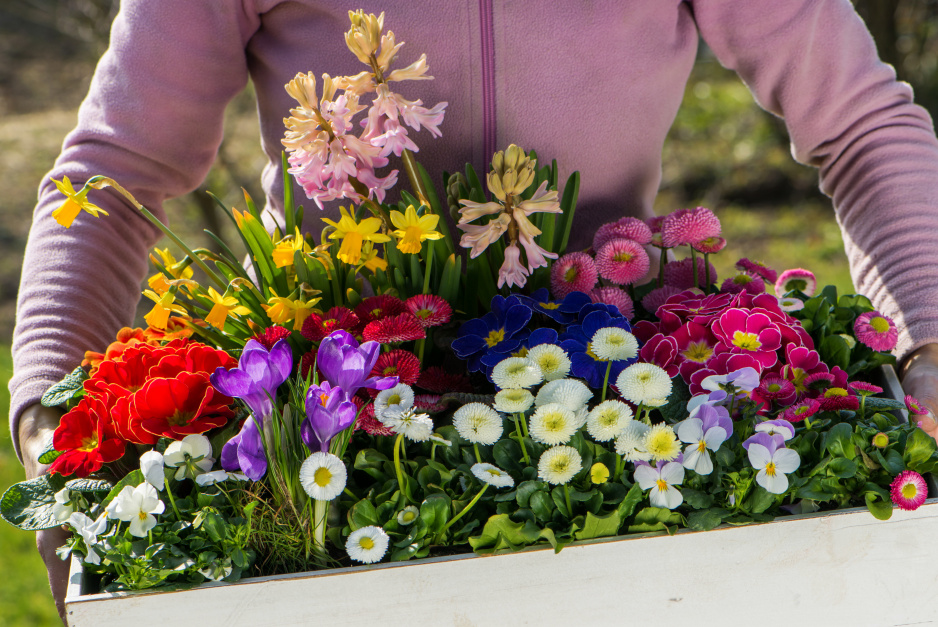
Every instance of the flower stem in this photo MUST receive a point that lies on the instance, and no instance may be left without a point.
(620, 467)
(662, 257)
(410, 166)
(524, 450)
(606, 380)
(707, 271)
(475, 447)
(172, 501)
(566, 498)
(320, 512)
(693, 264)
(398, 444)
(472, 503)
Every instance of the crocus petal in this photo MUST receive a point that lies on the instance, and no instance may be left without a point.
(251, 457)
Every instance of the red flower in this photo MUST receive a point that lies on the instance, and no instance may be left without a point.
(317, 327)
(272, 335)
(377, 307)
(370, 424)
(430, 310)
(435, 379)
(398, 363)
(87, 440)
(181, 406)
(194, 357)
(393, 329)
(127, 423)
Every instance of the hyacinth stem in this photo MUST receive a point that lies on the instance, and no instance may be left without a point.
(410, 166)
(606, 381)
(566, 498)
(524, 450)
(452, 522)
(706, 271)
(398, 445)
(320, 512)
(100, 182)
(693, 264)
(475, 447)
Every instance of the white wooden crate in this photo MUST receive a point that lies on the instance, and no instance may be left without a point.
(837, 568)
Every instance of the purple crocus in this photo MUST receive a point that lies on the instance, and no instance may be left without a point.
(258, 375)
(245, 452)
(347, 365)
(328, 412)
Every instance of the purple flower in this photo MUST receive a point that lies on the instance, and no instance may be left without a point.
(328, 411)
(711, 416)
(771, 442)
(245, 452)
(258, 375)
(347, 365)
(778, 426)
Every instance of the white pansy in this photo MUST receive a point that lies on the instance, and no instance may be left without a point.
(323, 476)
(608, 419)
(478, 423)
(661, 483)
(63, 506)
(217, 476)
(773, 467)
(89, 530)
(551, 359)
(151, 465)
(492, 475)
(368, 544)
(696, 455)
(137, 505)
(191, 456)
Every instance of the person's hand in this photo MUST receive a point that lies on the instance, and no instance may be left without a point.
(919, 376)
(37, 424)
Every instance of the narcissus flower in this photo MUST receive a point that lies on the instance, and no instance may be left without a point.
(222, 307)
(284, 253)
(158, 317)
(367, 545)
(413, 229)
(353, 234)
(74, 203)
(908, 491)
(876, 331)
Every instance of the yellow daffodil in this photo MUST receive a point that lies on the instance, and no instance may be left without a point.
(286, 249)
(222, 307)
(370, 258)
(354, 234)
(279, 309)
(158, 318)
(74, 203)
(178, 269)
(301, 311)
(413, 229)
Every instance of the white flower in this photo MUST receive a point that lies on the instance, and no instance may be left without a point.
(137, 505)
(696, 457)
(89, 530)
(414, 426)
(436, 438)
(217, 476)
(323, 476)
(661, 482)
(780, 426)
(571, 393)
(553, 424)
(408, 515)
(492, 475)
(608, 419)
(645, 384)
(661, 443)
(746, 379)
(63, 507)
(151, 465)
(478, 423)
(217, 571)
(614, 344)
(194, 449)
(390, 403)
(367, 545)
(631, 442)
(513, 401)
(558, 465)
(516, 372)
(551, 359)
(773, 467)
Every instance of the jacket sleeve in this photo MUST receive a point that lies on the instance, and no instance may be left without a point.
(814, 63)
(153, 122)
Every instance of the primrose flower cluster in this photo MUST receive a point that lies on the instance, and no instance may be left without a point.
(378, 394)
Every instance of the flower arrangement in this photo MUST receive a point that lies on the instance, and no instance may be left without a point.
(383, 395)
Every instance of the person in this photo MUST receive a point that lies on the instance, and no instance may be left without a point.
(595, 85)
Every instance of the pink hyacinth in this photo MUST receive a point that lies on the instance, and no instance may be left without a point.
(876, 331)
(574, 272)
(622, 261)
(615, 297)
(743, 282)
(908, 491)
(757, 268)
(796, 279)
(625, 228)
(680, 274)
(658, 297)
(512, 272)
(687, 226)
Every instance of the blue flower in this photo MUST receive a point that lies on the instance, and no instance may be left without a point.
(500, 331)
(536, 337)
(576, 341)
(564, 311)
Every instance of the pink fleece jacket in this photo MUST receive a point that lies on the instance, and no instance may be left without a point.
(593, 84)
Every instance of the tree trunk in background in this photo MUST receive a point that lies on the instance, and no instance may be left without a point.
(880, 18)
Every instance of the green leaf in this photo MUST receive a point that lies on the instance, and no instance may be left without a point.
(631, 501)
(676, 408)
(705, 519)
(28, 504)
(891, 461)
(49, 455)
(835, 352)
(435, 511)
(879, 404)
(507, 454)
(215, 526)
(542, 505)
(500, 533)
(881, 510)
(842, 468)
(599, 526)
(66, 389)
(655, 519)
(838, 441)
(762, 500)
(571, 190)
(697, 499)
(526, 490)
(362, 514)
(89, 485)
(919, 447)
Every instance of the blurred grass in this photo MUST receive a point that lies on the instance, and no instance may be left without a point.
(25, 600)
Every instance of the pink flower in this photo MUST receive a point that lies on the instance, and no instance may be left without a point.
(622, 261)
(574, 272)
(687, 226)
(478, 237)
(908, 491)
(512, 271)
(710, 245)
(654, 223)
(624, 228)
(742, 331)
(658, 297)
(876, 331)
(863, 388)
(721, 364)
(800, 363)
(743, 282)
(837, 398)
(695, 344)
(537, 256)
(774, 390)
(616, 297)
(805, 409)
(680, 274)
(661, 350)
(796, 279)
(915, 406)
(757, 268)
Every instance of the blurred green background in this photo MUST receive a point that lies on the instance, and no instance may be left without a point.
(723, 153)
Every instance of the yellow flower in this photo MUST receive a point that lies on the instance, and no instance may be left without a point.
(301, 311)
(599, 473)
(74, 203)
(354, 234)
(222, 307)
(282, 309)
(370, 258)
(413, 229)
(158, 317)
(286, 249)
(178, 269)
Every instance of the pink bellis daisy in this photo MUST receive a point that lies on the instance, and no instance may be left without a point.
(915, 406)
(743, 282)
(876, 331)
(796, 279)
(625, 228)
(574, 272)
(757, 268)
(908, 491)
(710, 245)
(430, 310)
(393, 329)
(687, 226)
(615, 297)
(680, 274)
(622, 261)
(658, 297)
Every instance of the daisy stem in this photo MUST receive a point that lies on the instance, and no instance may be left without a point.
(398, 444)
(524, 451)
(320, 511)
(693, 264)
(418, 348)
(471, 504)
(620, 467)
(661, 261)
(606, 380)
(524, 424)
(475, 447)
(706, 270)
(566, 498)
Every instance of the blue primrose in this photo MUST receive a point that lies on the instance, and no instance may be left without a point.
(502, 330)
(583, 362)
(564, 311)
(537, 337)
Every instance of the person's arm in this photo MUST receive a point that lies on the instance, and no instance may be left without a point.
(153, 122)
(814, 63)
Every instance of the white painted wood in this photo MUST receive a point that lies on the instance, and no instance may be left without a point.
(839, 568)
